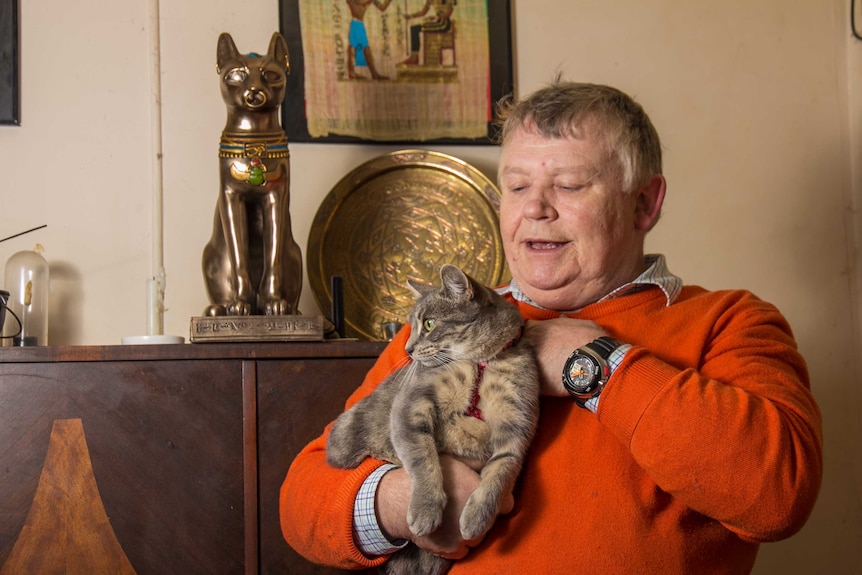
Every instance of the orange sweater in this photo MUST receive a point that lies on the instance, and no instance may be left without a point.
(707, 442)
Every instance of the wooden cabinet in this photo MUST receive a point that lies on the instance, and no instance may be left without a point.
(160, 459)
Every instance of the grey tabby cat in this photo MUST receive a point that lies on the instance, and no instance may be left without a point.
(471, 390)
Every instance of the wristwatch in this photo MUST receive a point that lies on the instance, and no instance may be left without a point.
(587, 371)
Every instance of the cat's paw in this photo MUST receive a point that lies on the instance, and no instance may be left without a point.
(239, 307)
(278, 306)
(425, 512)
(478, 515)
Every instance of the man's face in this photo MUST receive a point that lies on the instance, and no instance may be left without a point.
(569, 231)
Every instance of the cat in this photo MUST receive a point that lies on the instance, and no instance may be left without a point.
(252, 265)
(470, 389)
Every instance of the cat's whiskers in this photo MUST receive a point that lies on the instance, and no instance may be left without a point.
(444, 357)
(403, 362)
(404, 370)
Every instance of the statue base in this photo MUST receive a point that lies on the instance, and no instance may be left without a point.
(256, 328)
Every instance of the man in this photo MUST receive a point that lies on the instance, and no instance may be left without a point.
(359, 48)
(701, 439)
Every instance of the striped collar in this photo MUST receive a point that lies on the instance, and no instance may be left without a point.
(656, 274)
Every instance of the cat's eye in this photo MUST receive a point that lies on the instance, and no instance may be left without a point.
(237, 75)
(429, 324)
(271, 76)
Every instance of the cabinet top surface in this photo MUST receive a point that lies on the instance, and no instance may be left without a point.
(191, 351)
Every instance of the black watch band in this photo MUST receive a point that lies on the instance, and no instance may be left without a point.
(604, 346)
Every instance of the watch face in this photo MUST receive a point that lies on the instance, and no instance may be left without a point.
(582, 372)
(586, 370)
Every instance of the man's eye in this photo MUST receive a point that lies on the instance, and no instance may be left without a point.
(571, 187)
(429, 324)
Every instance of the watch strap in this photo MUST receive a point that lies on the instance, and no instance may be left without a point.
(615, 359)
(604, 346)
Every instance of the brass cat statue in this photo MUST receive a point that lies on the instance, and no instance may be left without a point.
(252, 265)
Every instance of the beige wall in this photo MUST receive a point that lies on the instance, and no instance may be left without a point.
(757, 103)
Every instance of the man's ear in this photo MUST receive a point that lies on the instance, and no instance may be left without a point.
(650, 197)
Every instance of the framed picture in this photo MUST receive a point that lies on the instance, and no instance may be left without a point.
(395, 71)
(9, 62)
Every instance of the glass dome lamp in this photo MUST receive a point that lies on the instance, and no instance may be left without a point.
(27, 280)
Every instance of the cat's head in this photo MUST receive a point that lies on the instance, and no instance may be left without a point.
(460, 319)
(253, 82)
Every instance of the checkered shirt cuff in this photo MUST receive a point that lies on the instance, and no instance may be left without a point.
(614, 361)
(369, 537)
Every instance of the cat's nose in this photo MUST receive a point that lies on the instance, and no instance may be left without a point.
(255, 98)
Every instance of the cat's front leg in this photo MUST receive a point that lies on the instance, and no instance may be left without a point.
(483, 505)
(498, 477)
(512, 396)
(427, 499)
(233, 213)
(412, 424)
(278, 239)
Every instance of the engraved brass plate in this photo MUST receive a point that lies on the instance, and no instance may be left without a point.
(396, 217)
(256, 328)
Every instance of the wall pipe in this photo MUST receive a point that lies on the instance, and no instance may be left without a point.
(156, 283)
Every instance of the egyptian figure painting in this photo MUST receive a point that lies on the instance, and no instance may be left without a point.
(396, 70)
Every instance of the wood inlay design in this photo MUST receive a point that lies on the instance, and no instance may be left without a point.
(67, 529)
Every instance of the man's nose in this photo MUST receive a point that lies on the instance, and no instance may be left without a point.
(539, 205)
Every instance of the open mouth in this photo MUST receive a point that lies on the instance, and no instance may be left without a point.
(539, 245)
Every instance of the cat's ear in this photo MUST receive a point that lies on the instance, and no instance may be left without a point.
(278, 51)
(455, 282)
(225, 52)
(416, 289)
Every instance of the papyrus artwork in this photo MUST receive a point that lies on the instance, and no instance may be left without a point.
(396, 70)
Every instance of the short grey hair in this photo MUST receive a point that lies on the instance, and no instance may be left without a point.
(563, 109)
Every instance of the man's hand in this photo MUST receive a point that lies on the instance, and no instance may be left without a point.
(459, 481)
(555, 340)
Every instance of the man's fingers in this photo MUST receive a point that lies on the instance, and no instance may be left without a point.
(507, 503)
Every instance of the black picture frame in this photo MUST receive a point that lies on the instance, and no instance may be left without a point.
(293, 109)
(9, 90)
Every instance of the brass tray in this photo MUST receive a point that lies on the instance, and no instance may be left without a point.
(401, 216)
